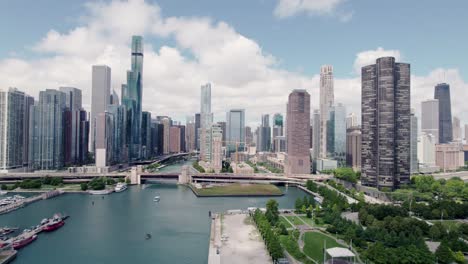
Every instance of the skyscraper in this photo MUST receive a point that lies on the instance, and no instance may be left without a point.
(339, 148)
(456, 126)
(197, 131)
(466, 133)
(265, 134)
(28, 103)
(104, 139)
(174, 135)
(146, 135)
(386, 124)
(73, 123)
(117, 114)
(206, 120)
(101, 83)
(235, 130)
(132, 94)
(297, 132)
(414, 144)
(353, 148)
(46, 131)
(327, 99)
(216, 155)
(222, 125)
(277, 132)
(166, 134)
(351, 120)
(442, 93)
(316, 134)
(430, 118)
(12, 114)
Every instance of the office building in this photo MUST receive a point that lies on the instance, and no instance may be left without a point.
(456, 126)
(442, 93)
(28, 103)
(351, 121)
(206, 120)
(104, 140)
(12, 130)
(264, 135)
(414, 167)
(46, 131)
(316, 135)
(100, 97)
(426, 153)
(197, 130)
(298, 132)
(167, 123)
(146, 135)
(339, 142)
(248, 135)
(223, 129)
(386, 124)
(353, 148)
(117, 115)
(174, 135)
(430, 118)
(216, 155)
(235, 131)
(327, 100)
(449, 157)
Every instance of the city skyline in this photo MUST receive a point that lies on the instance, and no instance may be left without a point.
(171, 47)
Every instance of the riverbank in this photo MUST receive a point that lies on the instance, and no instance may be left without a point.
(236, 190)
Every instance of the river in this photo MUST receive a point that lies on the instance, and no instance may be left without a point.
(113, 229)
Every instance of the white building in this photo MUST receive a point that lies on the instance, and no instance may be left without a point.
(430, 118)
(426, 153)
(327, 100)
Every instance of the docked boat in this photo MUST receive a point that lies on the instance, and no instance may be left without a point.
(24, 241)
(49, 225)
(7, 230)
(120, 187)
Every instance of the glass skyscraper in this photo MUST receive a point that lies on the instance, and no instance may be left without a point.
(132, 98)
(442, 93)
(235, 130)
(339, 141)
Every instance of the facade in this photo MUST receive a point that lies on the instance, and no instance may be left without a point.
(100, 98)
(104, 140)
(167, 123)
(442, 93)
(297, 133)
(119, 148)
(449, 157)
(46, 131)
(466, 133)
(28, 103)
(414, 167)
(278, 131)
(353, 148)
(235, 131)
(248, 135)
(197, 130)
(206, 120)
(174, 135)
(223, 129)
(264, 135)
(12, 129)
(457, 133)
(146, 152)
(351, 121)
(132, 94)
(190, 135)
(426, 152)
(386, 124)
(430, 117)
(74, 119)
(327, 100)
(339, 142)
(316, 135)
(216, 155)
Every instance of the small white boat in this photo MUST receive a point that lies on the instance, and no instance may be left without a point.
(120, 187)
(156, 198)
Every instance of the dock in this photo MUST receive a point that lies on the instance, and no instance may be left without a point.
(29, 200)
(7, 256)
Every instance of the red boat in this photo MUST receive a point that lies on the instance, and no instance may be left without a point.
(19, 243)
(53, 224)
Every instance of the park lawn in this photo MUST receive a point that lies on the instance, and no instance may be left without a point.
(449, 224)
(314, 242)
(295, 220)
(311, 221)
(285, 222)
(239, 189)
(291, 246)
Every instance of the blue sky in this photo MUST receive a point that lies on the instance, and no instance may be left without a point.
(428, 34)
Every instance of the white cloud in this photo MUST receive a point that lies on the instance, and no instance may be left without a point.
(369, 56)
(287, 8)
(243, 75)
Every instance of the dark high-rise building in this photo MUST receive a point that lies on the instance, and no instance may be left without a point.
(84, 137)
(298, 133)
(132, 99)
(353, 148)
(197, 127)
(442, 93)
(146, 135)
(386, 124)
(264, 135)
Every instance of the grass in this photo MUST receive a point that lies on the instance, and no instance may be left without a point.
(295, 220)
(285, 222)
(314, 242)
(290, 244)
(239, 189)
(449, 224)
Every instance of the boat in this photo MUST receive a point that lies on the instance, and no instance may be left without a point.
(7, 230)
(24, 241)
(156, 198)
(52, 224)
(100, 192)
(120, 187)
(148, 236)
(3, 192)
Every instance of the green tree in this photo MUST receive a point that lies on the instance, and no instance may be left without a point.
(298, 204)
(444, 254)
(84, 186)
(434, 232)
(458, 257)
(272, 213)
(4, 187)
